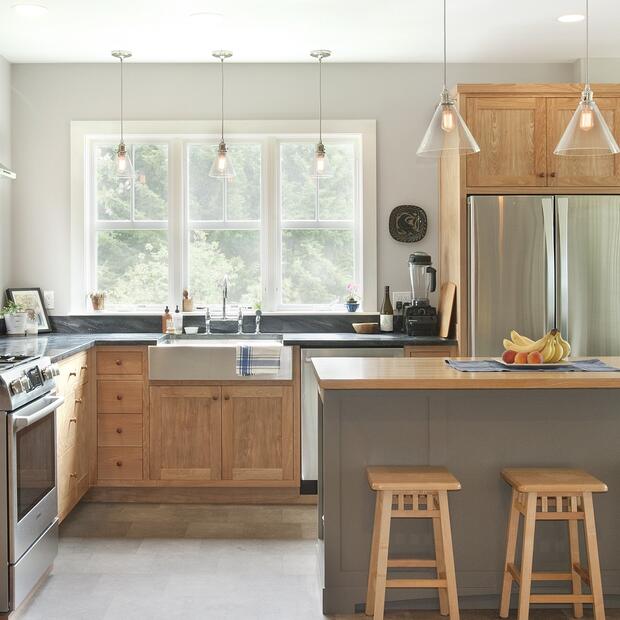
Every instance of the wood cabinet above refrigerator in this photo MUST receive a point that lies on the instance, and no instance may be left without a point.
(517, 127)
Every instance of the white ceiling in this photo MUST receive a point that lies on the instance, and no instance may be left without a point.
(285, 30)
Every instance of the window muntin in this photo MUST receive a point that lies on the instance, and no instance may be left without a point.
(283, 239)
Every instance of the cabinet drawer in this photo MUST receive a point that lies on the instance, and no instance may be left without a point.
(431, 351)
(119, 363)
(117, 429)
(119, 463)
(119, 396)
(73, 373)
(70, 418)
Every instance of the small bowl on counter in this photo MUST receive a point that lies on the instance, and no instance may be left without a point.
(365, 328)
(191, 330)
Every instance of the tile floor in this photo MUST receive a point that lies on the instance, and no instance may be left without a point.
(193, 562)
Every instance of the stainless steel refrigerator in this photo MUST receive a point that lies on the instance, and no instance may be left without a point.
(538, 262)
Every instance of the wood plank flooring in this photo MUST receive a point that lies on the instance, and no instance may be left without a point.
(195, 562)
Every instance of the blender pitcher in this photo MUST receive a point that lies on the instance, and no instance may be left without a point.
(423, 278)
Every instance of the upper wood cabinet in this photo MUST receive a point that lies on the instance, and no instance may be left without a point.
(573, 171)
(185, 433)
(512, 138)
(257, 433)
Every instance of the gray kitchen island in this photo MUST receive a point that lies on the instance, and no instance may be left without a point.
(419, 411)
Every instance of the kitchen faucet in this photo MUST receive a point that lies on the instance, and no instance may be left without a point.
(224, 295)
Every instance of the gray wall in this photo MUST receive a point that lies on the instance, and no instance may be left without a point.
(5, 184)
(400, 97)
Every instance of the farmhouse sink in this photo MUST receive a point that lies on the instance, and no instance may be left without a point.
(211, 357)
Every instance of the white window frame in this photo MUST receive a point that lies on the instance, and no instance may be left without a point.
(178, 135)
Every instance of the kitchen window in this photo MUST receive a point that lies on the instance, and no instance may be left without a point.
(284, 240)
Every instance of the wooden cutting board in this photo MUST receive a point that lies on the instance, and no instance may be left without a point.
(447, 297)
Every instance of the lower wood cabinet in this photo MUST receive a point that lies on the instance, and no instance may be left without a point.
(257, 433)
(432, 351)
(185, 433)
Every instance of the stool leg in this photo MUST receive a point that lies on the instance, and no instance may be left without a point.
(375, 601)
(441, 566)
(511, 548)
(594, 566)
(573, 540)
(527, 556)
(446, 535)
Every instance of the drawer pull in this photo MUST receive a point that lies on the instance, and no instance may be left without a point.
(78, 400)
(226, 397)
(84, 367)
(119, 430)
(119, 362)
(119, 463)
(119, 397)
(73, 374)
(215, 397)
(73, 475)
(73, 420)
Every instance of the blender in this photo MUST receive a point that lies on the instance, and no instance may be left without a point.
(420, 316)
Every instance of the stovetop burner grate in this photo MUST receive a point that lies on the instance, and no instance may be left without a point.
(8, 361)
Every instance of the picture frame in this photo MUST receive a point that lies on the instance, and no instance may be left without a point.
(31, 298)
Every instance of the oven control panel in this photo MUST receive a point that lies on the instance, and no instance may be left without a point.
(26, 382)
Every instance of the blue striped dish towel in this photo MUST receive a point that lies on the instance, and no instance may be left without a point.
(257, 359)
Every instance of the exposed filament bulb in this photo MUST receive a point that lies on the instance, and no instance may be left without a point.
(447, 119)
(586, 118)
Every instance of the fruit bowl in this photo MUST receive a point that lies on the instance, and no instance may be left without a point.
(521, 351)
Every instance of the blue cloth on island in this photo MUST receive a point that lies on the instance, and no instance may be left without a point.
(258, 359)
(591, 365)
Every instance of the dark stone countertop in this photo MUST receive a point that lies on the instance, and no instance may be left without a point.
(61, 346)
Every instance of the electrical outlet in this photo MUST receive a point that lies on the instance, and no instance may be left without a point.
(401, 296)
(48, 298)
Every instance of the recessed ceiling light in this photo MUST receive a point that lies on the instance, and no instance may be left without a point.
(30, 9)
(206, 17)
(571, 19)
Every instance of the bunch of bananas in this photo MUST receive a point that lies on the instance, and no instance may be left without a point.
(551, 346)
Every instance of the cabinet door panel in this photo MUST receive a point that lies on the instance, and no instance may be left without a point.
(511, 135)
(257, 433)
(185, 433)
(586, 171)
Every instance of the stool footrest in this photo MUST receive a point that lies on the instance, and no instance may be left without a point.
(411, 563)
(561, 598)
(582, 572)
(416, 583)
(546, 576)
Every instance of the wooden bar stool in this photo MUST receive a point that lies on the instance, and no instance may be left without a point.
(412, 493)
(548, 494)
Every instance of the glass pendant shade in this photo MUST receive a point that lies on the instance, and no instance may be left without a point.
(124, 167)
(447, 132)
(320, 163)
(222, 166)
(587, 132)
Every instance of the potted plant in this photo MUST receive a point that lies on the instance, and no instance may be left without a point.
(97, 299)
(352, 301)
(15, 317)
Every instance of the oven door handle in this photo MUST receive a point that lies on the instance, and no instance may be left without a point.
(22, 421)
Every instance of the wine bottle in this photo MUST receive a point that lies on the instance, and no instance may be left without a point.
(386, 319)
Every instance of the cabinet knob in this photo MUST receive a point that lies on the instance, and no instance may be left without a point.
(73, 420)
(119, 463)
(553, 175)
(541, 175)
(119, 397)
(119, 362)
(78, 400)
(215, 397)
(226, 397)
(119, 430)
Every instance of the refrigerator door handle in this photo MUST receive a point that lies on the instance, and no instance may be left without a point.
(562, 264)
(549, 226)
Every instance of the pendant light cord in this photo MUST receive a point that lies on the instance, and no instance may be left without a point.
(122, 139)
(321, 100)
(587, 43)
(222, 80)
(445, 54)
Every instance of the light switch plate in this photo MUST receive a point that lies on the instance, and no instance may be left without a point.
(400, 296)
(48, 299)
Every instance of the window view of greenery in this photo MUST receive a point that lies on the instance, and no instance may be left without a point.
(318, 249)
(224, 237)
(132, 264)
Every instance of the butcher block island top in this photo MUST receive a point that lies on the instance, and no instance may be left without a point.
(426, 373)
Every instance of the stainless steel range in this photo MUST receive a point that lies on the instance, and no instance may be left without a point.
(28, 496)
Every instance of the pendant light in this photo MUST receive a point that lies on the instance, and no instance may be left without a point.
(124, 167)
(447, 131)
(587, 132)
(320, 164)
(222, 167)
